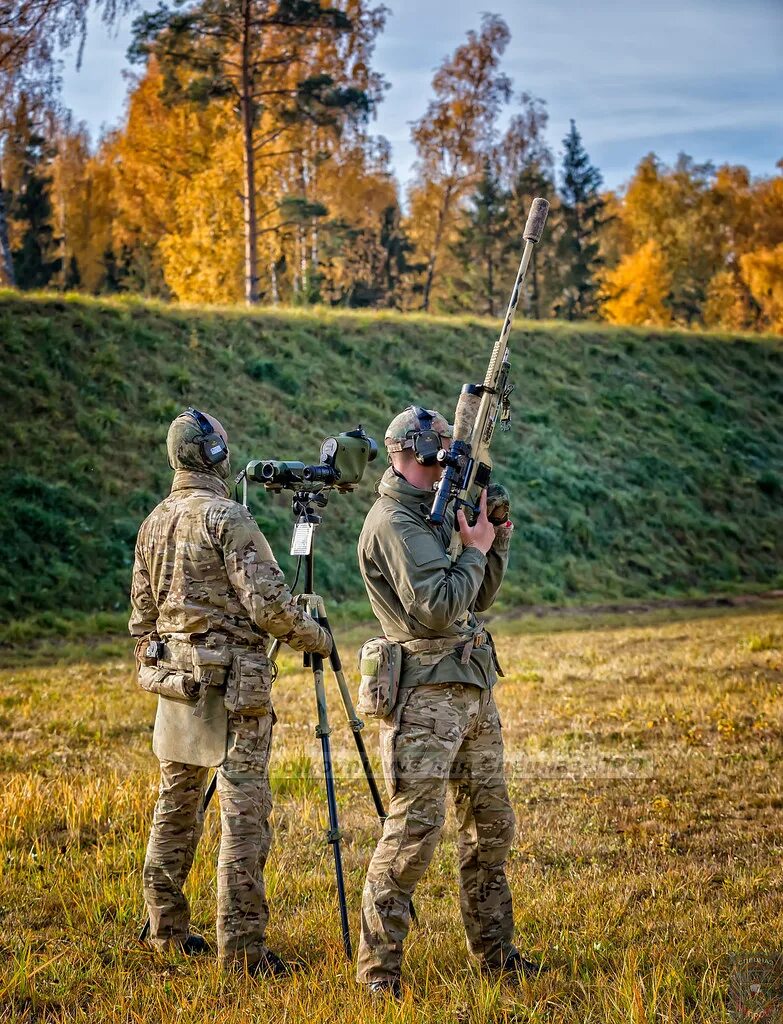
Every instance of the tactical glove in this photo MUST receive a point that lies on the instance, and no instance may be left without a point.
(498, 504)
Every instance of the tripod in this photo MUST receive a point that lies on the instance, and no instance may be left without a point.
(306, 522)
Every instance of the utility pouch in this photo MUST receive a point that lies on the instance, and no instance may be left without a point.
(249, 685)
(211, 666)
(380, 663)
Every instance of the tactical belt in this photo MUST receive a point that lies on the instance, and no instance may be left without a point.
(210, 666)
(435, 649)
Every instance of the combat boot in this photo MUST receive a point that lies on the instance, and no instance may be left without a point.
(195, 945)
(269, 966)
(514, 967)
(386, 988)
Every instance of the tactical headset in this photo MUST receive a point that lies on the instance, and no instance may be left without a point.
(213, 448)
(425, 441)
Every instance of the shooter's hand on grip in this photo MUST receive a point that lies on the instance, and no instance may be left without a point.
(498, 504)
(482, 534)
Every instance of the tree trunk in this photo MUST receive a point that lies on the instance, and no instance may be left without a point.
(490, 286)
(247, 113)
(535, 304)
(314, 256)
(303, 274)
(6, 260)
(425, 303)
(273, 279)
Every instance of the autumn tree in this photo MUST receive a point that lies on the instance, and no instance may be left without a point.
(579, 221)
(31, 31)
(710, 227)
(762, 271)
(637, 290)
(261, 57)
(526, 171)
(452, 139)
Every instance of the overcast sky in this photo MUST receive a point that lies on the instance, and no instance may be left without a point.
(700, 76)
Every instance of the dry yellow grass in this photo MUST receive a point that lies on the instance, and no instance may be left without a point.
(645, 765)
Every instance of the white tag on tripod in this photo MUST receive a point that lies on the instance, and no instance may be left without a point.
(302, 539)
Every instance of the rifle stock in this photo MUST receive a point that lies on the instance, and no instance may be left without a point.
(467, 463)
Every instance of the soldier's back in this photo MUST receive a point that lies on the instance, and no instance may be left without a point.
(181, 544)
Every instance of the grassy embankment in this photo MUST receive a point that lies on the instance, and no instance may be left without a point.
(645, 769)
(641, 464)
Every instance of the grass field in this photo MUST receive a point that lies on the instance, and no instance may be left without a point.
(645, 766)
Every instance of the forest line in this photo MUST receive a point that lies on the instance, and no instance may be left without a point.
(245, 167)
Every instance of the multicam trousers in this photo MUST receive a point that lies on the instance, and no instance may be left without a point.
(441, 736)
(245, 806)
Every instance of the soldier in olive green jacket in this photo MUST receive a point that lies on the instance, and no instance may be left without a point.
(445, 729)
(206, 584)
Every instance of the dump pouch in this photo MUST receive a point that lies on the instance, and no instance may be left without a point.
(168, 682)
(380, 663)
(190, 733)
(249, 686)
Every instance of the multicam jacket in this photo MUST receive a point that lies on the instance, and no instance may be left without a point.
(417, 593)
(203, 570)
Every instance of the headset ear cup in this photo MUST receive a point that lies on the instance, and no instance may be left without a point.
(426, 445)
(213, 449)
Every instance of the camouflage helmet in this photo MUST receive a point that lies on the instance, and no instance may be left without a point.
(184, 449)
(400, 432)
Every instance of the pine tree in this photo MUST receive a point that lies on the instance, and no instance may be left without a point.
(526, 169)
(35, 260)
(581, 218)
(483, 246)
(397, 270)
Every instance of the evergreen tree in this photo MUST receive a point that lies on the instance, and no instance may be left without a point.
(484, 246)
(397, 269)
(35, 261)
(580, 221)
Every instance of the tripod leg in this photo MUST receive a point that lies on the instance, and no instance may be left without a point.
(209, 792)
(323, 732)
(356, 725)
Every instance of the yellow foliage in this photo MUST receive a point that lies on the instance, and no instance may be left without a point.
(762, 271)
(84, 207)
(202, 251)
(635, 292)
(158, 152)
(727, 303)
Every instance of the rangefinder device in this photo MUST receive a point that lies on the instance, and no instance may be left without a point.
(344, 458)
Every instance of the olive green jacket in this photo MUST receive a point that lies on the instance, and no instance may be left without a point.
(417, 593)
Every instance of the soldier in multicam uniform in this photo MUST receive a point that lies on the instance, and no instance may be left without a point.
(445, 729)
(205, 575)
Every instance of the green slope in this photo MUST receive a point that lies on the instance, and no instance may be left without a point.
(640, 463)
